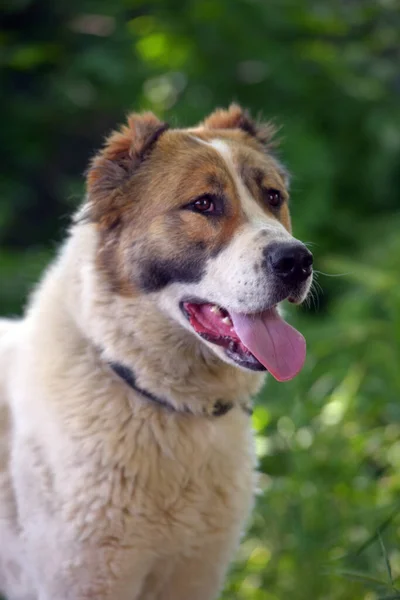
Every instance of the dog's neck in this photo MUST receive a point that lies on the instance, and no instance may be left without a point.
(167, 361)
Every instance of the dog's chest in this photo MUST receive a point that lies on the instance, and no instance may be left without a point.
(172, 485)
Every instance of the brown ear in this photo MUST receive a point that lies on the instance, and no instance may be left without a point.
(123, 152)
(125, 149)
(235, 117)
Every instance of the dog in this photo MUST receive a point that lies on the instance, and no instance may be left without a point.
(127, 469)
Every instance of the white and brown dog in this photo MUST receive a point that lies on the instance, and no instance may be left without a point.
(126, 460)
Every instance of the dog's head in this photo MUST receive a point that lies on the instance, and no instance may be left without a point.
(197, 220)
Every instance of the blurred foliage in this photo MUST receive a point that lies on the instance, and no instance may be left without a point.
(327, 523)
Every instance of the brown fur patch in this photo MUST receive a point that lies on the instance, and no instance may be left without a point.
(141, 182)
(148, 220)
(122, 154)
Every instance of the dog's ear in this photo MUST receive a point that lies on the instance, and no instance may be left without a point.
(122, 154)
(235, 117)
(125, 149)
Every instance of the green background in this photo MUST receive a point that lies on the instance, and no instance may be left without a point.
(327, 524)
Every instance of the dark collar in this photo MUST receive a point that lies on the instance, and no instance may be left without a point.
(219, 409)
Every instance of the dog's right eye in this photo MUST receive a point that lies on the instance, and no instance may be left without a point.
(204, 205)
(207, 205)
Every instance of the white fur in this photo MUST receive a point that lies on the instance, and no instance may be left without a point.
(103, 494)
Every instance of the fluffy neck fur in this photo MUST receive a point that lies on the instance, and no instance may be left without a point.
(167, 360)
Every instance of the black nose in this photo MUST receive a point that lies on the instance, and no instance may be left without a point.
(290, 261)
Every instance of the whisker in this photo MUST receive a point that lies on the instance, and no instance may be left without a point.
(313, 296)
(318, 287)
(333, 274)
(307, 300)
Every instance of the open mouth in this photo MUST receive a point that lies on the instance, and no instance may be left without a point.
(259, 342)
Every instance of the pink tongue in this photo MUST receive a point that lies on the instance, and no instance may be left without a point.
(275, 343)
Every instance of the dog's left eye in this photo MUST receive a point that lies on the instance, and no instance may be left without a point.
(274, 197)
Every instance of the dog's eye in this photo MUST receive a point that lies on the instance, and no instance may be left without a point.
(274, 198)
(205, 204)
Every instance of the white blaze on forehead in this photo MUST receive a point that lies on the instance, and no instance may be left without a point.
(253, 211)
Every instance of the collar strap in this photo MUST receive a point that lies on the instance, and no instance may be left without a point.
(219, 408)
